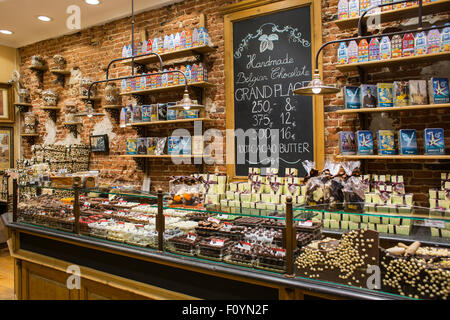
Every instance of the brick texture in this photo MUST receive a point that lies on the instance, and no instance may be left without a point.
(93, 56)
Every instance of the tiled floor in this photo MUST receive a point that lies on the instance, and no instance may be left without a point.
(6, 275)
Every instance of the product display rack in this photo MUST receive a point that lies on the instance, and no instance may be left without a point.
(161, 251)
(393, 62)
(396, 14)
(23, 107)
(189, 52)
(396, 109)
(393, 157)
(202, 84)
(61, 75)
(154, 123)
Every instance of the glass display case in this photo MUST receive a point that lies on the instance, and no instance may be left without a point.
(395, 251)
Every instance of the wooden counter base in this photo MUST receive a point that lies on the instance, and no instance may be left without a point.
(116, 271)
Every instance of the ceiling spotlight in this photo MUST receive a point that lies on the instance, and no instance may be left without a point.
(6, 31)
(44, 18)
(92, 2)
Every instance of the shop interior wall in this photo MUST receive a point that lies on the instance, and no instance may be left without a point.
(92, 49)
(9, 61)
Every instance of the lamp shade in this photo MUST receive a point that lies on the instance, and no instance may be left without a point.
(316, 87)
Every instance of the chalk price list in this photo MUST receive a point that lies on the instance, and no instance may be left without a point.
(262, 120)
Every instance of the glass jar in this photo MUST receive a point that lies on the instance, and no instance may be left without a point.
(37, 61)
(50, 98)
(59, 62)
(112, 95)
(24, 96)
(84, 87)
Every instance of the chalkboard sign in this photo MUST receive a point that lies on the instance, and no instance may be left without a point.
(271, 58)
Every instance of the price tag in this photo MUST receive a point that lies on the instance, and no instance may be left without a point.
(62, 211)
(434, 223)
(86, 204)
(191, 236)
(227, 226)
(244, 245)
(217, 242)
(305, 223)
(109, 212)
(214, 220)
(280, 252)
(222, 216)
(105, 202)
(70, 207)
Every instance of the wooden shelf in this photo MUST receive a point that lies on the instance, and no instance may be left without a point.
(395, 109)
(398, 14)
(29, 135)
(113, 107)
(92, 98)
(44, 68)
(18, 104)
(171, 55)
(169, 122)
(163, 156)
(392, 157)
(202, 84)
(393, 62)
(50, 108)
(60, 72)
(72, 123)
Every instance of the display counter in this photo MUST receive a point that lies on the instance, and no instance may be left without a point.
(126, 249)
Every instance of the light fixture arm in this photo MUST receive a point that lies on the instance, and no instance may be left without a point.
(361, 18)
(137, 76)
(369, 37)
(133, 57)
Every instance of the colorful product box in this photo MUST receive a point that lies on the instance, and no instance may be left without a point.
(407, 140)
(363, 51)
(385, 48)
(142, 146)
(438, 90)
(347, 143)
(369, 96)
(408, 45)
(386, 142)
(374, 50)
(174, 145)
(365, 142)
(352, 97)
(445, 38)
(418, 92)
(342, 53)
(420, 44)
(401, 93)
(343, 9)
(352, 52)
(396, 46)
(433, 139)
(131, 146)
(434, 41)
(385, 95)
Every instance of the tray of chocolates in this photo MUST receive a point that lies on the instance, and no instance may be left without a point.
(342, 261)
(213, 248)
(207, 228)
(415, 271)
(271, 258)
(248, 221)
(184, 244)
(242, 253)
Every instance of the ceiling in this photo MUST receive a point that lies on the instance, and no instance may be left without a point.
(20, 16)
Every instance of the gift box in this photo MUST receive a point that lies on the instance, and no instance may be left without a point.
(230, 195)
(256, 197)
(274, 198)
(266, 197)
(291, 172)
(261, 206)
(246, 197)
(233, 186)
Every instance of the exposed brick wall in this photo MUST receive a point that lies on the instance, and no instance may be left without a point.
(419, 175)
(93, 57)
